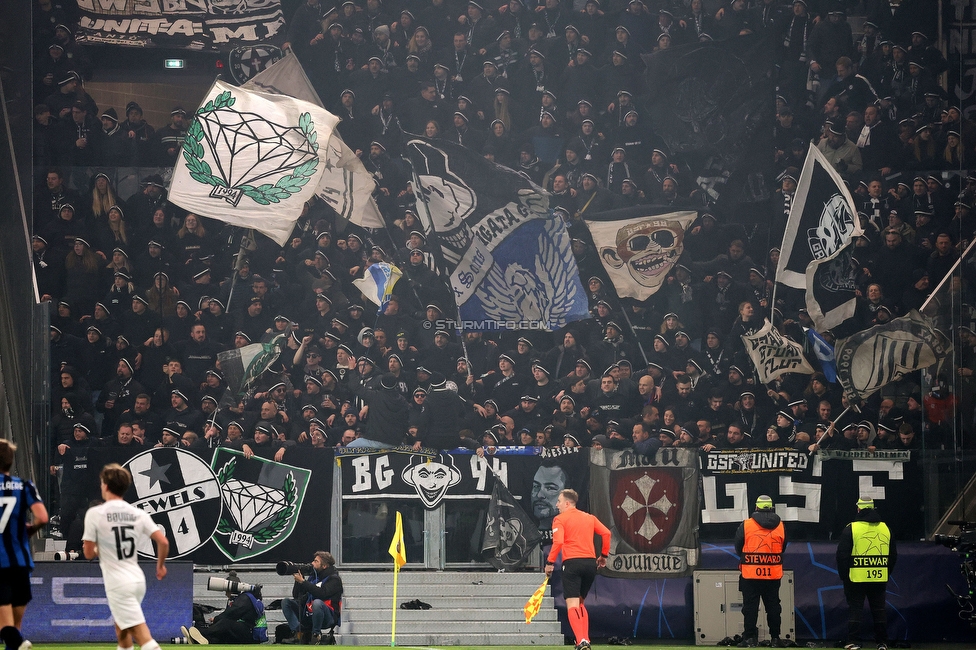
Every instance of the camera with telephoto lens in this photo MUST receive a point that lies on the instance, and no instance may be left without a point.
(64, 556)
(965, 544)
(232, 585)
(291, 568)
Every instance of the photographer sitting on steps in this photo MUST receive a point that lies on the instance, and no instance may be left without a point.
(316, 595)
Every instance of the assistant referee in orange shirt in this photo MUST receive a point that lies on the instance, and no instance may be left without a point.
(572, 535)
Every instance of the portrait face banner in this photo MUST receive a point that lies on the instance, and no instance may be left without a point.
(650, 506)
(637, 250)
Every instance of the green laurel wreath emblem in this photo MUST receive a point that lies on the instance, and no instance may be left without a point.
(266, 194)
(225, 474)
(268, 532)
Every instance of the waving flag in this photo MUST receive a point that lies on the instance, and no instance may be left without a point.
(378, 282)
(345, 185)
(242, 366)
(510, 262)
(252, 159)
(397, 550)
(773, 354)
(876, 357)
(817, 249)
(534, 604)
(510, 534)
(639, 247)
(825, 354)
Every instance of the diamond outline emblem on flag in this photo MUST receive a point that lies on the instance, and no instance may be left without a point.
(181, 494)
(262, 501)
(218, 129)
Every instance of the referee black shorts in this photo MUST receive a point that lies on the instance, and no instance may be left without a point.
(15, 586)
(578, 576)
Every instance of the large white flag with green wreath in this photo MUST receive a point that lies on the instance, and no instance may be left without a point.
(252, 159)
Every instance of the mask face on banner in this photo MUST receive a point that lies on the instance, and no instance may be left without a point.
(431, 479)
(638, 254)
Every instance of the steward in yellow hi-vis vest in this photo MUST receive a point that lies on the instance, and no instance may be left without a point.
(760, 542)
(865, 555)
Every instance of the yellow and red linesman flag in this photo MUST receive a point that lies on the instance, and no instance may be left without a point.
(397, 549)
(535, 602)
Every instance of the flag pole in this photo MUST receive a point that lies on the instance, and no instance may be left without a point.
(832, 424)
(396, 576)
(249, 234)
(398, 552)
(947, 277)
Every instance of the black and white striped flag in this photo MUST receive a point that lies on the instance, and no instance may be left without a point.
(871, 359)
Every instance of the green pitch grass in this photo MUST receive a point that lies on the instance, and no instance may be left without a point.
(652, 645)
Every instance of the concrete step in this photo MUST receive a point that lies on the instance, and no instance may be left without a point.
(442, 577)
(360, 614)
(451, 639)
(467, 607)
(409, 592)
(495, 604)
(466, 627)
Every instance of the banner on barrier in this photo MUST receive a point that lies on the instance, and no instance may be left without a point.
(69, 603)
(753, 461)
(650, 506)
(535, 479)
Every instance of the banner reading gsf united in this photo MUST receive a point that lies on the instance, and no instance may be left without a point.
(188, 24)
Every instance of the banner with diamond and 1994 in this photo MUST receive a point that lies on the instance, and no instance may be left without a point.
(216, 506)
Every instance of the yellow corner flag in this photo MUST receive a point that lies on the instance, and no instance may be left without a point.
(399, 554)
(397, 549)
(535, 602)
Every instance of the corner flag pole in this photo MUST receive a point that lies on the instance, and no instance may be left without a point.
(399, 554)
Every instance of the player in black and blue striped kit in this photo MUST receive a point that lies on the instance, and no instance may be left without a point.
(17, 497)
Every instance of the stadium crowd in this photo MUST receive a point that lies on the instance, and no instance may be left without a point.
(145, 295)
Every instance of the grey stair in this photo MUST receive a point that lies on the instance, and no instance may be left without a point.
(439, 612)
(424, 626)
(467, 607)
(446, 638)
(431, 591)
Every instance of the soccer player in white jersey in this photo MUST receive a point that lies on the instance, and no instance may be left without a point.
(113, 532)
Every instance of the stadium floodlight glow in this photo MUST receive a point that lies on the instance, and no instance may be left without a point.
(174, 64)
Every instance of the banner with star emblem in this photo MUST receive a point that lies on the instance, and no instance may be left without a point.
(181, 494)
(650, 506)
(252, 159)
(262, 502)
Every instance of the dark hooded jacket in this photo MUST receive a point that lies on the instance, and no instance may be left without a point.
(768, 519)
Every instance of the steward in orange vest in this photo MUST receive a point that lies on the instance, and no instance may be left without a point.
(760, 542)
